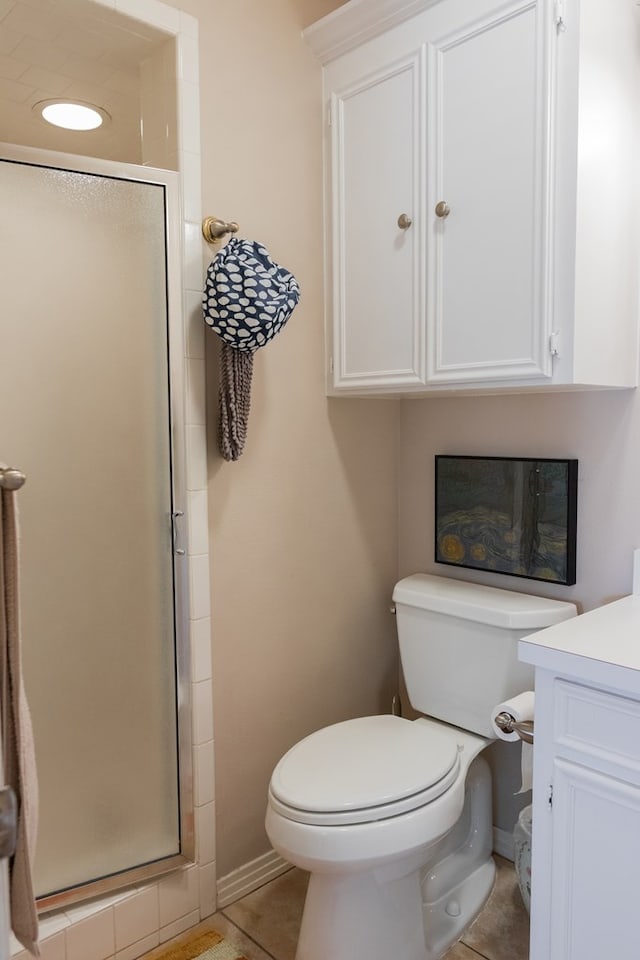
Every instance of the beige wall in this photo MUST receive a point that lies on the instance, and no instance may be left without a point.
(601, 429)
(311, 10)
(303, 526)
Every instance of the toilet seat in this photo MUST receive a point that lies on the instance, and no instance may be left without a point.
(364, 770)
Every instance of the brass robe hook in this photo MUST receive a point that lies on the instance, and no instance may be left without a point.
(214, 229)
(11, 479)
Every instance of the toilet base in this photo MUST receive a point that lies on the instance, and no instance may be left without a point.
(443, 925)
(355, 916)
(414, 908)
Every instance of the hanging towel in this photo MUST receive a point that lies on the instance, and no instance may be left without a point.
(247, 300)
(234, 398)
(17, 734)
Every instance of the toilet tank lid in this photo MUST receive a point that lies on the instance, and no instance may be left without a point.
(473, 601)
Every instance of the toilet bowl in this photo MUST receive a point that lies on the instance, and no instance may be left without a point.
(369, 808)
(392, 817)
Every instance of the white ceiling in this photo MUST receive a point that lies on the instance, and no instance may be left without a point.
(76, 49)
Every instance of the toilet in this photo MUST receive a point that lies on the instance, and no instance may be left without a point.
(392, 817)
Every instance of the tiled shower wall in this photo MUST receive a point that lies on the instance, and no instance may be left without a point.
(126, 925)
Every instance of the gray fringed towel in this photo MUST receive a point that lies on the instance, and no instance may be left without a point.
(18, 748)
(247, 300)
(234, 397)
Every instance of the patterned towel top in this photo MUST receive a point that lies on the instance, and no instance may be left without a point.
(248, 297)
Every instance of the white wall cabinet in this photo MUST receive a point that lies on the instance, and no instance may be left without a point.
(481, 205)
(586, 790)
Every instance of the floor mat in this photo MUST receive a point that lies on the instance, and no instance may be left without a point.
(203, 946)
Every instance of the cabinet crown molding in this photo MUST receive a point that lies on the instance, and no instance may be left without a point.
(356, 22)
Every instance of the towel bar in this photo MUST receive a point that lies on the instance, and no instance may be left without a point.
(11, 479)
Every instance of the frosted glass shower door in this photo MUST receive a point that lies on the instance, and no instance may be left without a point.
(85, 413)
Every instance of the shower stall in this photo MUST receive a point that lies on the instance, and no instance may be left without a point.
(91, 394)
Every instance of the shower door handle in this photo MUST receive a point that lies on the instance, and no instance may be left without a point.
(178, 550)
(8, 822)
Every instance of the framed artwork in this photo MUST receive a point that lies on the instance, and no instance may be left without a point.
(507, 515)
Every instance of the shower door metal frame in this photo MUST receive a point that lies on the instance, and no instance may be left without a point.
(170, 181)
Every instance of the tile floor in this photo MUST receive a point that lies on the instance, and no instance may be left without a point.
(264, 924)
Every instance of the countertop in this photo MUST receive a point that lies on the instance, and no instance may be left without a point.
(600, 646)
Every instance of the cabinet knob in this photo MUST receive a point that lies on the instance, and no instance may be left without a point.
(442, 209)
(404, 221)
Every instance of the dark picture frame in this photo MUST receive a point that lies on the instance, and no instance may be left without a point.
(509, 515)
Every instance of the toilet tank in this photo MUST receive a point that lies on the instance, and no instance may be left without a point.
(459, 645)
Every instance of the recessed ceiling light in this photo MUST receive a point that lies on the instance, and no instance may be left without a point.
(71, 114)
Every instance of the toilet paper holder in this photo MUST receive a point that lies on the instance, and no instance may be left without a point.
(508, 724)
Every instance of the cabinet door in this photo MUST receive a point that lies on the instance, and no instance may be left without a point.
(489, 150)
(595, 862)
(378, 283)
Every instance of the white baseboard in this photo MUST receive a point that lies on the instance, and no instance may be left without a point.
(503, 843)
(249, 877)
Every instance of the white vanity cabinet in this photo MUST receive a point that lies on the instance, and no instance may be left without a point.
(586, 788)
(481, 214)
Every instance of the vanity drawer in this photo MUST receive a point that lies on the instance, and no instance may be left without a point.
(600, 725)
